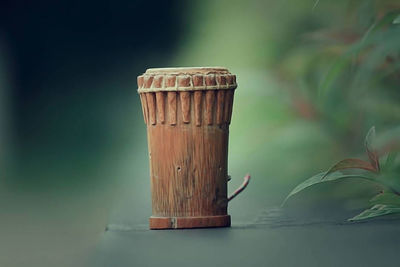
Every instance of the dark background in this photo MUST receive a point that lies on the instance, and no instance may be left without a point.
(71, 64)
(69, 110)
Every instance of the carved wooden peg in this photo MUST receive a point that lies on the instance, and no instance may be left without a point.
(172, 108)
(160, 99)
(144, 106)
(220, 106)
(185, 105)
(151, 106)
(198, 97)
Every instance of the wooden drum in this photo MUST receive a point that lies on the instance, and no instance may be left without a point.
(187, 112)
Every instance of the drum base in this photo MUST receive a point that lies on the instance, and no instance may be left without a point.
(189, 222)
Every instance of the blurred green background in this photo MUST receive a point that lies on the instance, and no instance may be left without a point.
(313, 77)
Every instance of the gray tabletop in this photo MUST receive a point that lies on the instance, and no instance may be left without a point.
(275, 237)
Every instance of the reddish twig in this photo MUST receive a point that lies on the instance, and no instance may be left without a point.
(241, 187)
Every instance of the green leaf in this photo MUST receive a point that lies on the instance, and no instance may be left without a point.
(396, 20)
(390, 159)
(371, 151)
(322, 178)
(389, 141)
(351, 164)
(390, 17)
(391, 181)
(370, 137)
(386, 198)
(375, 211)
(337, 68)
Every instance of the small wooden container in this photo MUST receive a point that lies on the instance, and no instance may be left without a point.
(187, 112)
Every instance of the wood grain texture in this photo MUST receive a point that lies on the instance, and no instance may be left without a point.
(209, 108)
(188, 177)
